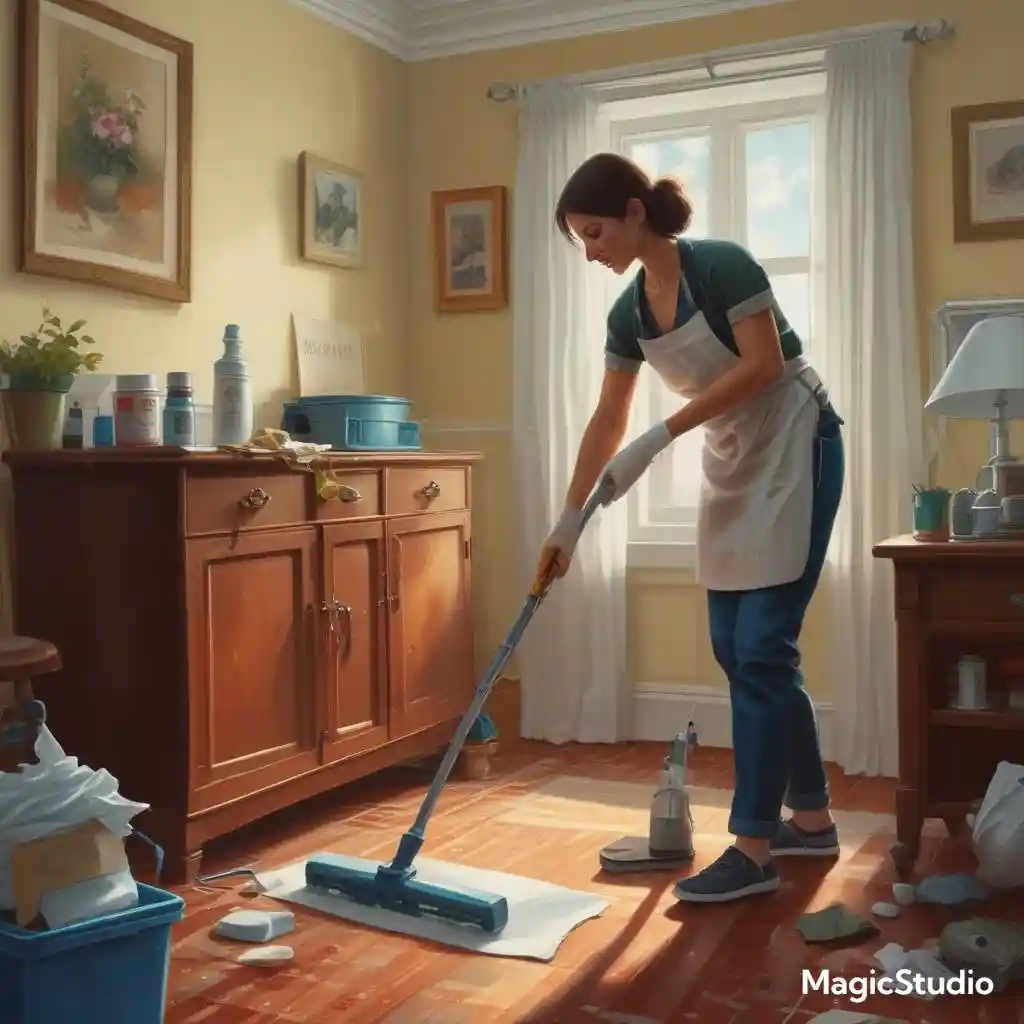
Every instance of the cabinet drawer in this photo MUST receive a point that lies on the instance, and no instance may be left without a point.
(425, 490)
(359, 497)
(977, 597)
(247, 501)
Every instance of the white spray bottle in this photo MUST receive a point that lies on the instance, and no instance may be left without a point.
(232, 393)
(671, 828)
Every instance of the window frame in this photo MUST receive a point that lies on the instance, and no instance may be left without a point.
(661, 534)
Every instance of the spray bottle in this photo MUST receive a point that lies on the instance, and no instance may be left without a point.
(232, 393)
(671, 829)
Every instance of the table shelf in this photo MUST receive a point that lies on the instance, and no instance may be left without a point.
(958, 719)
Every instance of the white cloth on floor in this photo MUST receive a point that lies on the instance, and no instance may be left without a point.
(540, 915)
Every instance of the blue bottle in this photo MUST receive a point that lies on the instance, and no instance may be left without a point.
(179, 411)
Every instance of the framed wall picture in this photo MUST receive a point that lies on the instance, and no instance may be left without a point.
(470, 258)
(332, 212)
(988, 172)
(106, 155)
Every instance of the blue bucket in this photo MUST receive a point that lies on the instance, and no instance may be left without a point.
(353, 422)
(104, 970)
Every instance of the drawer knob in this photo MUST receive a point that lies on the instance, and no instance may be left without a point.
(431, 491)
(348, 494)
(256, 498)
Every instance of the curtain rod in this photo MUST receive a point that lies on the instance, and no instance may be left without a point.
(913, 32)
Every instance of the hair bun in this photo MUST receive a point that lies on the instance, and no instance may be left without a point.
(672, 211)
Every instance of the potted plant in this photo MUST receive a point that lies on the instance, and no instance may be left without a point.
(38, 375)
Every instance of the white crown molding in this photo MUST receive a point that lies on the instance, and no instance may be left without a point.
(417, 30)
(382, 23)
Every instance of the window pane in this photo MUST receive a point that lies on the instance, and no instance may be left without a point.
(686, 469)
(687, 158)
(676, 478)
(793, 294)
(779, 190)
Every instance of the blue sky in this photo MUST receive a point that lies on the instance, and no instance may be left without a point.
(776, 162)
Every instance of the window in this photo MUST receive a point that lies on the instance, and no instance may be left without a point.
(749, 157)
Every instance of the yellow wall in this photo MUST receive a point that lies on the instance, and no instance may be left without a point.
(462, 364)
(276, 81)
(269, 82)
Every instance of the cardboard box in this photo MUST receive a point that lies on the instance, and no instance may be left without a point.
(89, 850)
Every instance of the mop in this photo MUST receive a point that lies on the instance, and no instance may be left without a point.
(394, 886)
(669, 843)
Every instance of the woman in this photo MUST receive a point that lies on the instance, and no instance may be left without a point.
(703, 316)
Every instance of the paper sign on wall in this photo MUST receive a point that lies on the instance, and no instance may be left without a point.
(330, 357)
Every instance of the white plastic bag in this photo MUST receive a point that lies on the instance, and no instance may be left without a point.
(999, 829)
(55, 795)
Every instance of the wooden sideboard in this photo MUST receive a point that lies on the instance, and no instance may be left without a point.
(953, 598)
(233, 643)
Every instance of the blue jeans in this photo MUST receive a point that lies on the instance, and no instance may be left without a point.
(754, 634)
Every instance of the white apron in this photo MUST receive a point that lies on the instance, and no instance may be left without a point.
(754, 516)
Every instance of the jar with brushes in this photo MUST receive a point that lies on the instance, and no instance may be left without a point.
(931, 513)
(180, 411)
(103, 425)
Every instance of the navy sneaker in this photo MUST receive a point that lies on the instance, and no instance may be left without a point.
(793, 841)
(731, 877)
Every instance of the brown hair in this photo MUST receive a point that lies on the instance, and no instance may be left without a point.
(603, 185)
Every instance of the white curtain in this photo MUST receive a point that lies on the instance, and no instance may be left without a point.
(572, 659)
(871, 367)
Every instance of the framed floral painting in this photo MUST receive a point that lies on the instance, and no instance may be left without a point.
(106, 176)
(470, 242)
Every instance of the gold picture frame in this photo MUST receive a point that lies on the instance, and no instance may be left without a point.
(988, 172)
(470, 249)
(106, 149)
(331, 212)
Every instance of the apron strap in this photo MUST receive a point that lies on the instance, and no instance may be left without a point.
(690, 273)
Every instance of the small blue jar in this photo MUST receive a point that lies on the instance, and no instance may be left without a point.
(180, 411)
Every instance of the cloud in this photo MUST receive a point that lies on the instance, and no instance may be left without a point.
(771, 187)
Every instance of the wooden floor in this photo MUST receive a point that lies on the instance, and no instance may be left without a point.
(646, 960)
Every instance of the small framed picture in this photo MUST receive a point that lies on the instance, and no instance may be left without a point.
(332, 212)
(106, 153)
(470, 238)
(988, 172)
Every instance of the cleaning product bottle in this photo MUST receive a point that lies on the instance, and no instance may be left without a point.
(671, 830)
(232, 393)
(73, 436)
(179, 411)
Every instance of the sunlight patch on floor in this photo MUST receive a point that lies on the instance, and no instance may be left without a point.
(575, 803)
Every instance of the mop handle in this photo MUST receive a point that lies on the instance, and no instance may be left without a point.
(483, 689)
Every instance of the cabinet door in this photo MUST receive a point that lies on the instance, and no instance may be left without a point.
(252, 708)
(430, 635)
(353, 639)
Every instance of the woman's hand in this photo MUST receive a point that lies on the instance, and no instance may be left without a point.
(631, 463)
(557, 550)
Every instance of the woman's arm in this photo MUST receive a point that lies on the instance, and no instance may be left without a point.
(603, 435)
(761, 365)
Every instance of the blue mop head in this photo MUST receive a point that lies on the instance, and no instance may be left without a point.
(397, 889)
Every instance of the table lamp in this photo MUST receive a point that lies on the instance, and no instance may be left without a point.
(985, 381)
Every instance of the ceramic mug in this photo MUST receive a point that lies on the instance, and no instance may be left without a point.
(1013, 510)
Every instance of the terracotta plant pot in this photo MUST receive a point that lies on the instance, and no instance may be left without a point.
(34, 411)
(476, 760)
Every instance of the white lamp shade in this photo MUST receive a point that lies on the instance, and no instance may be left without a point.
(988, 366)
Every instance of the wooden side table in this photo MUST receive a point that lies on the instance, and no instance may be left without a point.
(21, 715)
(953, 599)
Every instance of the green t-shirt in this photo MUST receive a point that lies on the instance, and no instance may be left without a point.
(727, 284)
